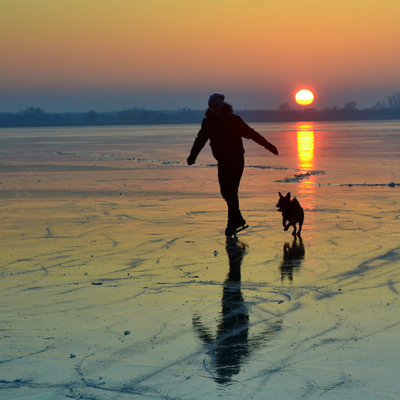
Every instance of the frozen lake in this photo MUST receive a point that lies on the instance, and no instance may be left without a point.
(117, 281)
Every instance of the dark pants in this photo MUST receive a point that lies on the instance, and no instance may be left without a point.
(229, 175)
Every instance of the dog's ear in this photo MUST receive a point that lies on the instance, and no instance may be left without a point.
(280, 195)
(288, 196)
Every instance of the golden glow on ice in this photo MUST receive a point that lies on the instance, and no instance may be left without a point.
(305, 146)
(305, 165)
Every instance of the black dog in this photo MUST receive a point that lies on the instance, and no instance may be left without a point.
(292, 213)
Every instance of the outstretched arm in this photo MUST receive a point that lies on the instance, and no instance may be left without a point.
(198, 144)
(250, 133)
(269, 146)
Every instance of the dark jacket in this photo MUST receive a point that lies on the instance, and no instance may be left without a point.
(225, 136)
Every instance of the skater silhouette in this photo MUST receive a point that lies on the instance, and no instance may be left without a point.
(225, 131)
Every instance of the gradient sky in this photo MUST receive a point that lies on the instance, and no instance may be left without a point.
(77, 55)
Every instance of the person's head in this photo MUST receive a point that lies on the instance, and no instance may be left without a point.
(217, 106)
(216, 100)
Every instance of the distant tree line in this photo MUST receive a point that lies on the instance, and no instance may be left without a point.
(36, 117)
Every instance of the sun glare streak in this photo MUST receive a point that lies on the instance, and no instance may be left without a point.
(305, 165)
(305, 147)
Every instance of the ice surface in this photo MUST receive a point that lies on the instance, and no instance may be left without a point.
(107, 231)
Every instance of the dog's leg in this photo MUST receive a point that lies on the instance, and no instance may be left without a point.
(300, 226)
(294, 230)
(285, 227)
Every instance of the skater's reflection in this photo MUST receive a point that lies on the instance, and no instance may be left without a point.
(231, 346)
(292, 257)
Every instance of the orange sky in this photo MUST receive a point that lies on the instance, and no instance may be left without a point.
(75, 55)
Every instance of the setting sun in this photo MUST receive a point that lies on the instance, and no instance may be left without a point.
(304, 97)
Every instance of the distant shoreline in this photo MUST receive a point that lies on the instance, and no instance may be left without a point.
(35, 117)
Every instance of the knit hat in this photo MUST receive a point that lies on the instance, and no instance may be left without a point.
(216, 99)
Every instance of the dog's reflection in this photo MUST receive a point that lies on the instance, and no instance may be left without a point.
(230, 346)
(292, 258)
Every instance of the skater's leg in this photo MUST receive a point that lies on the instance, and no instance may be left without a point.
(229, 180)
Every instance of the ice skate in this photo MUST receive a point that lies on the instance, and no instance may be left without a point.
(232, 230)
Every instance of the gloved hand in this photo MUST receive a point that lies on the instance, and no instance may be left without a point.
(191, 160)
(270, 147)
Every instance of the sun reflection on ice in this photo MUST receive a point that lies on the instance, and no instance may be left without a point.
(305, 146)
(305, 156)
(305, 165)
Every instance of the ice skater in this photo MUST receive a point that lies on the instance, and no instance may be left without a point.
(225, 131)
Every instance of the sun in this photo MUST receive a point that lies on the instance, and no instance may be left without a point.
(304, 97)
